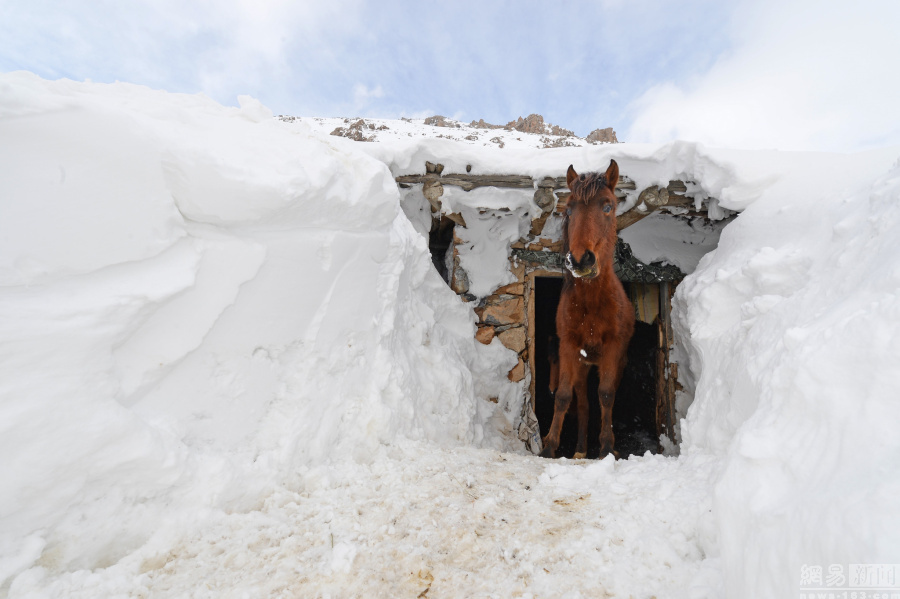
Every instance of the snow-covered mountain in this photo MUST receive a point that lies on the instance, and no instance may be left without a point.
(528, 132)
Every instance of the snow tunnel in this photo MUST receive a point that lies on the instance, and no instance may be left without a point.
(496, 240)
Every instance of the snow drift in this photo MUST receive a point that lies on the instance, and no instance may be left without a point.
(793, 329)
(195, 301)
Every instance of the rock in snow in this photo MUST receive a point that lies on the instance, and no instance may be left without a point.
(229, 368)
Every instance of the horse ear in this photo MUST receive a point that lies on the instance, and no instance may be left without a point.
(612, 175)
(571, 175)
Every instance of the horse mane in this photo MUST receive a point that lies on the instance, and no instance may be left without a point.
(587, 185)
(568, 278)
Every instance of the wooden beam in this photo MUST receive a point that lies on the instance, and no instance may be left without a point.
(470, 182)
(629, 218)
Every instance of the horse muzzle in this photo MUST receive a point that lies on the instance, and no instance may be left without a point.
(585, 268)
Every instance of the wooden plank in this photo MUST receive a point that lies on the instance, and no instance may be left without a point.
(529, 332)
(672, 375)
(666, 372)
(678, 187)
(662, 359)
(629, 218)
(470, 182)
(645, 298)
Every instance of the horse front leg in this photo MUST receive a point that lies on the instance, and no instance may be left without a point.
(584, 410)
(571, 371)
(610, 369)
(560, 408)
(607, 437)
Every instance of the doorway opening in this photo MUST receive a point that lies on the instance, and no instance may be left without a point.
(439, 241)
(635, 409)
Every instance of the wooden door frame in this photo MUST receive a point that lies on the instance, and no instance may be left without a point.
(666, 370)
(531, 323)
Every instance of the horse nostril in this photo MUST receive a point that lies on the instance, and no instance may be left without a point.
(589, 259)
(586, 261)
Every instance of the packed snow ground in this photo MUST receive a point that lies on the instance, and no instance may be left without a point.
(230, 369)
(419, 521)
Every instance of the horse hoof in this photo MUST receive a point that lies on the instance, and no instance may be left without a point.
(546, 452)
(579, 455)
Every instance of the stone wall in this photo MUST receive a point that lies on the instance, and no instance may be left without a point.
(510, 312)
(504, 313)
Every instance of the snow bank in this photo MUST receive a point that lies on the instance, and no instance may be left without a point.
(194, 301)
(793, 330)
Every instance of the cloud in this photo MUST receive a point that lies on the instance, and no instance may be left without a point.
(220, 48)
(801, 75)
(362, 95)
(576, 63)
(419, 114)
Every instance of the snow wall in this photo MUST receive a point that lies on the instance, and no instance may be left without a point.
(196, 301)
(792, 327)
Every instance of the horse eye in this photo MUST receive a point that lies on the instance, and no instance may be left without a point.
(568, 212)
(607, 209)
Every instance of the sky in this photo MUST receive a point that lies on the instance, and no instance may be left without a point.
(784, 74)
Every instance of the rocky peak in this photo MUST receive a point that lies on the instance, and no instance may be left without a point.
(533, 123)
(602, 136)
(355, 130)
(441, 121)
(480, 124)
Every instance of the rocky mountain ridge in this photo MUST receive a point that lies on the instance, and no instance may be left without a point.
(531, 131)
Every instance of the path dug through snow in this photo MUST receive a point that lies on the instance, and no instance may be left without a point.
(419, 521)
(201, 305)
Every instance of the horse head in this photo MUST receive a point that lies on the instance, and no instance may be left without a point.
(590, 226)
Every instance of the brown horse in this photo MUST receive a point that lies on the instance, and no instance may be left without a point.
(595, 319)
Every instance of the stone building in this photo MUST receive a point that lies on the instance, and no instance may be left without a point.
(523, 230)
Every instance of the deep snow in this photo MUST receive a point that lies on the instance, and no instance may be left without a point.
(230, 369)
(448, 523)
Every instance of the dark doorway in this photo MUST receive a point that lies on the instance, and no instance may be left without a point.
(634, 414)
(439, 241)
